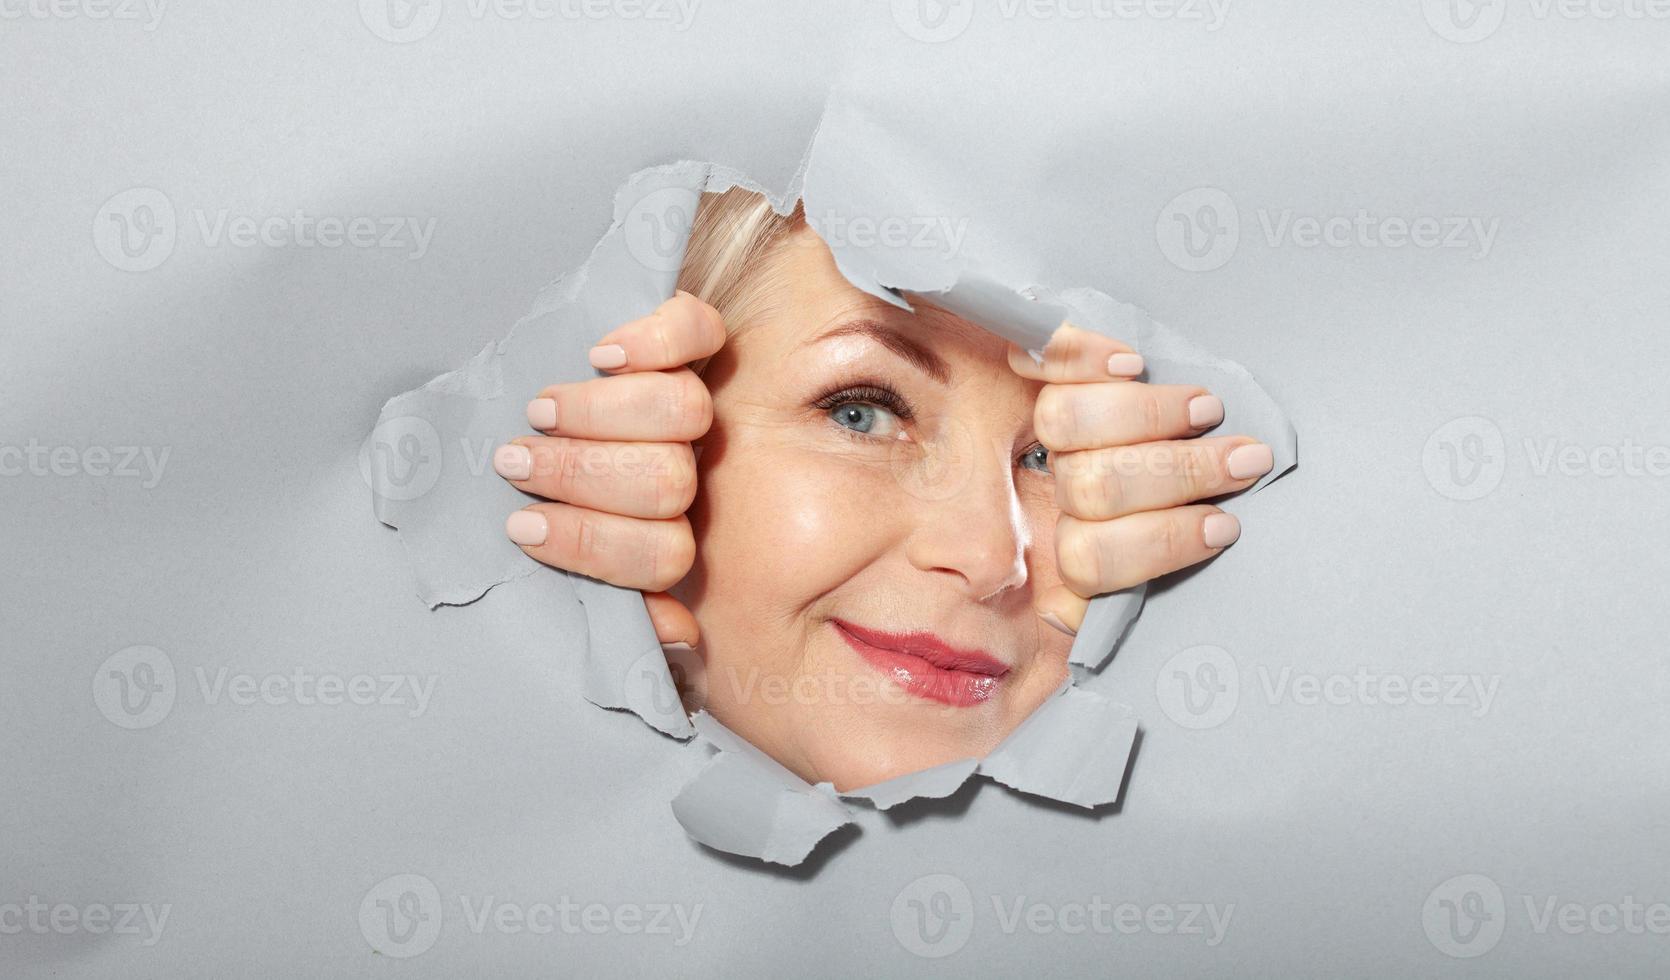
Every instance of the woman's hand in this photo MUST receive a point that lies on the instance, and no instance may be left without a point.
(1129, 462)
(616, 461)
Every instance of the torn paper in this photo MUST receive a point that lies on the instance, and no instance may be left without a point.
(429, 461)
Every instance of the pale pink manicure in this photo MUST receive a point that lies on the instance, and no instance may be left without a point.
(1205, 411)
(679, 645)
(1125, 365)
(527, 528)
(606, 356)
(1247, 462)
(513, 462)
(1220, 530)
(542, 414)
(1054, 620)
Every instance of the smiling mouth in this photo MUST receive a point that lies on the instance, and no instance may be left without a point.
(926, 666)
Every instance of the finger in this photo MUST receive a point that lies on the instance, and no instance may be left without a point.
(1063, 609)
(1101, 484)
(1093, 557)
(681, 330)
(632, 479)
(1074, 354)
(673, 623)
(1094, 416)
(656, 406)
(651, 556)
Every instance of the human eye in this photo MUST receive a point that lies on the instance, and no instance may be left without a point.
(1036, 458)
(866, 411)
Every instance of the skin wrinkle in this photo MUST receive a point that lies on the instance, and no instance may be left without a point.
(798, 522)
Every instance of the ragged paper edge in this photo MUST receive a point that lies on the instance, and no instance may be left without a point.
(1074, 748)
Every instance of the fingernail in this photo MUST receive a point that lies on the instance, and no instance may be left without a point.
(1205, 411)
(514, 462)
(542, 414)
(526, 527)
(1054, 620)
(679, 645)
(606, 356)
(1125, 365)
(1246, 462)
(1221, 530)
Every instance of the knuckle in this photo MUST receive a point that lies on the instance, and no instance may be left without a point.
(692, 410)
(663, 341)
(1197, 474)
(1078, 558)
(1053, 418)
(1091, 491)
(1166, 543)
(671, 553)
(1151, 411)
(585, 538)
(674, 480)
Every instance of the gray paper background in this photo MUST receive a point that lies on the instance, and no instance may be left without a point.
(1407, 545)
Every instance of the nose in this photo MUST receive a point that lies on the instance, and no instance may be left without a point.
(968, 521)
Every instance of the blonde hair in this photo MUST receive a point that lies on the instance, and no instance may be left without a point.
(732, 239)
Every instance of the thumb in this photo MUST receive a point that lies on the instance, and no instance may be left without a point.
(673, 622)
(1063, 609)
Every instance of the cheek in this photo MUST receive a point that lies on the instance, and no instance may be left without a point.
(1038, 507)
(783, 526)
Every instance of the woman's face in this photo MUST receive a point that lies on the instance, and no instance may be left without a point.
(873, 520)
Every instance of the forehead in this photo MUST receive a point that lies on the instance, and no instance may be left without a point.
(814, 299)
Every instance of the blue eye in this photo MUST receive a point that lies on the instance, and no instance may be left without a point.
(856, 416)
(1036, 458)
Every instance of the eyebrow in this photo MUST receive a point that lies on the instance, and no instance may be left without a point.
(894, 340)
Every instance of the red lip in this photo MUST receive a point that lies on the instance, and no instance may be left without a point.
(927, 666)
